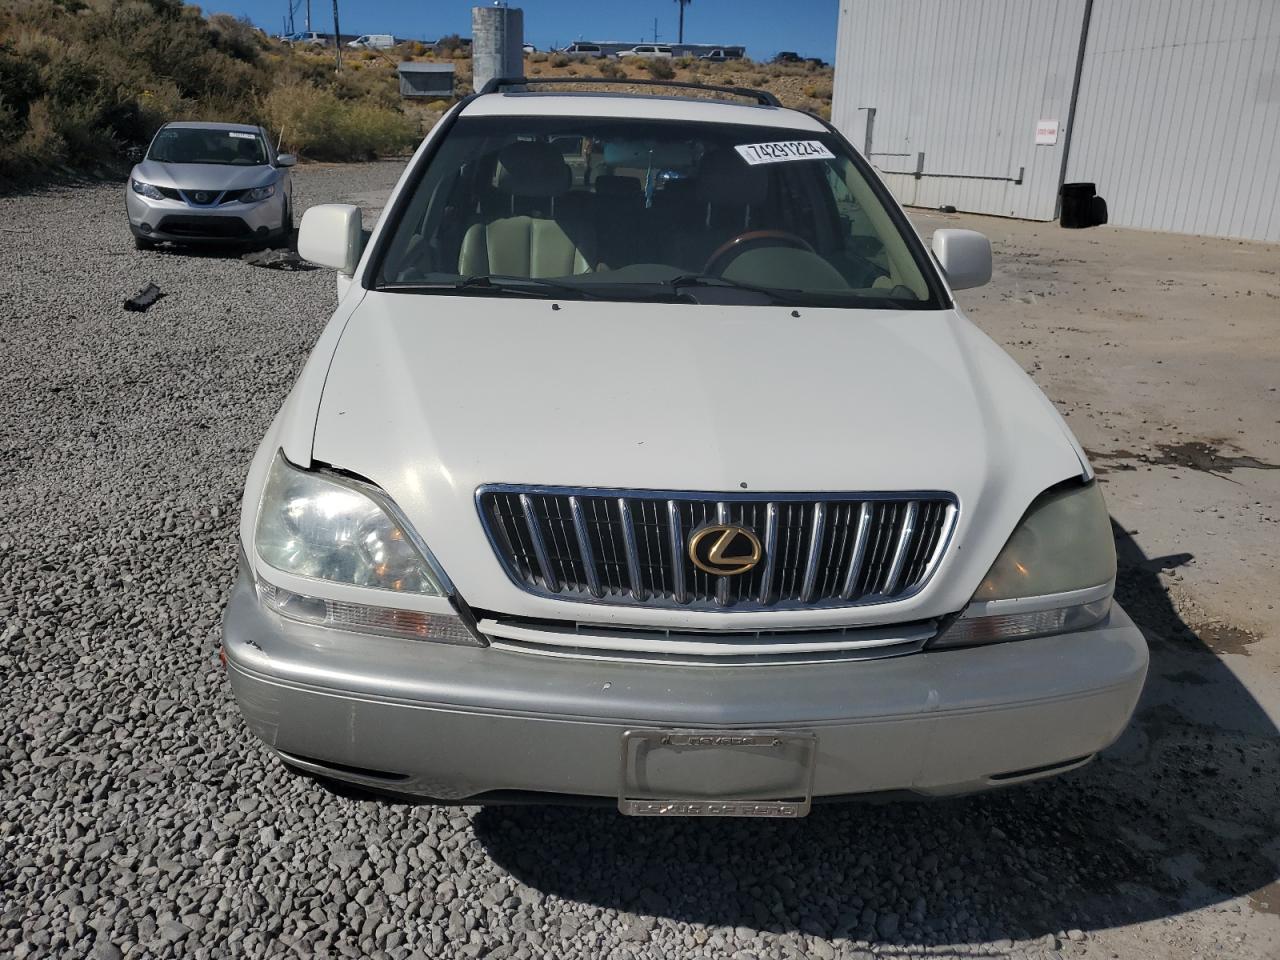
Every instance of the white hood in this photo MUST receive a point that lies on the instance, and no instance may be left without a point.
(204, 176)
(432, 396)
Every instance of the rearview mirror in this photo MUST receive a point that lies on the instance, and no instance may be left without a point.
(965, 257)
(330, 236)
(286, 160)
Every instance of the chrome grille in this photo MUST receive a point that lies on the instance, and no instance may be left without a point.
(629, 547)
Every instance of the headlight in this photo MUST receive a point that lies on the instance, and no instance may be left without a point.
(326, 528)
(1055, 574)
(258, 193)
(146, 189)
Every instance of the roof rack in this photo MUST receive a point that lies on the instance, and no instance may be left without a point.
(763, 97)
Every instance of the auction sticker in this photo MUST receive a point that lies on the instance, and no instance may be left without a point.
(242, 136)
(781, 151)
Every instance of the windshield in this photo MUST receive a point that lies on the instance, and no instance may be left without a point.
(629, 209)
(194, 145)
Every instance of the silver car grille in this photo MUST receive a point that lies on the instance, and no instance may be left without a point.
(630, 547)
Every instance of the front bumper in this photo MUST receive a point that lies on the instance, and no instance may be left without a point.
(180, 222)
(457, 723)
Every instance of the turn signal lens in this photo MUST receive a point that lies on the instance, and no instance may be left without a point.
(362, 618)
(974, 631)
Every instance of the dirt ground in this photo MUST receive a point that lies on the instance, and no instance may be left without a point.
(1163, 352)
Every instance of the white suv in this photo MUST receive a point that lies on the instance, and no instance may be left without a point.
(648, 458)
(648, 51)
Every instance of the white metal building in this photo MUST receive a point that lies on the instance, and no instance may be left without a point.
(1172, 107)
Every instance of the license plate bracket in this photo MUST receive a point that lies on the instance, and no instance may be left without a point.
(717, 773)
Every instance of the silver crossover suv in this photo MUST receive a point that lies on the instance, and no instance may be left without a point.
(210, 182)
(649, 457)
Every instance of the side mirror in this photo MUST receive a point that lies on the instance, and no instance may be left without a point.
(330, 236)
(965, 257)
(286, 160)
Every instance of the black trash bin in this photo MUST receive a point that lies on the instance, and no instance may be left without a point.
(1077, 205)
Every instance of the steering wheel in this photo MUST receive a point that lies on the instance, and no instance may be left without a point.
(727, 252)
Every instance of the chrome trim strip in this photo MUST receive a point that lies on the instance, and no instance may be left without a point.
(900, 549)
(816, 524)
(1047, 601)
(949, 524)
(859, 551)
(539, 546)
(680, 591)
(584, 544)
(722, 583)
(639, 641)
(728, 496)
(633, 554)
(770, 545)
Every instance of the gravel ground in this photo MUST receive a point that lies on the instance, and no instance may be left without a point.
(139, 818)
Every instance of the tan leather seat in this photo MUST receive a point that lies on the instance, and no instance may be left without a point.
(539, 241)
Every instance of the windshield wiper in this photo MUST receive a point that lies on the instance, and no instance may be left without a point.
(775, 294)
(789, 296)
(506, 286)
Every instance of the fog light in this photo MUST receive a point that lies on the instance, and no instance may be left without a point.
(145, 227)
(362, 618)
(263, 231)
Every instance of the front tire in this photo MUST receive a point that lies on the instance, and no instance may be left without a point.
(285, 237)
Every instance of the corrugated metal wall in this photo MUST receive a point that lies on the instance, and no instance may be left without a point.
(1177, 118)
(1178, 114)
(965, 82)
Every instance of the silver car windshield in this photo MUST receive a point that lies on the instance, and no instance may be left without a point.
(196, 145)
(627, 209)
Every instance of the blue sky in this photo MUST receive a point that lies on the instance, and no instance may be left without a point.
(763, 26)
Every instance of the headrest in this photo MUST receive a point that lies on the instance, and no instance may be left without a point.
(527, 168)
(724, 178)
(613, 185)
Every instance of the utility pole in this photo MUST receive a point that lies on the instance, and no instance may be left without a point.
(337, 37)
(308, 16)
(683, 4)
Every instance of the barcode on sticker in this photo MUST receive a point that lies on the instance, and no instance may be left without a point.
(781, 151)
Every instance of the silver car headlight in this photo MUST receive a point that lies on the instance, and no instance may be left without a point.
(333, 530)
(258, 193)
(146, 189)
(324, 527)
(1056, 573)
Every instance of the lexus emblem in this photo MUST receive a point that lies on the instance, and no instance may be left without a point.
(724, 549)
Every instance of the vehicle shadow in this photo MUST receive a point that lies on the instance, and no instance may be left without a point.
(227, 249)
(1176, 815)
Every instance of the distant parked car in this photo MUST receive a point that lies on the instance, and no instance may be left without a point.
(647, 51)
(308, 38)
(530, 48)
(721, 54)
(816, 61)
(210, 181)
(374, 41)
(583, 50)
